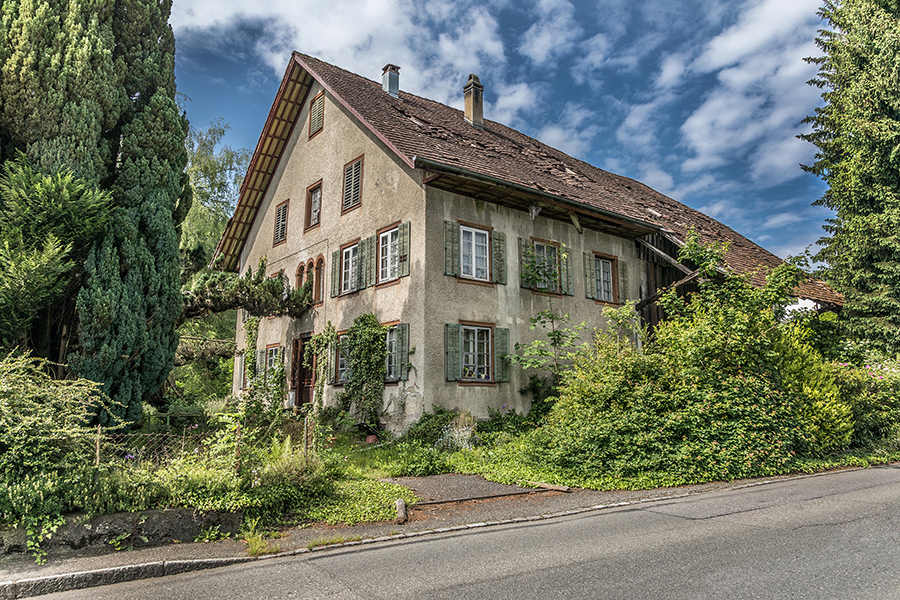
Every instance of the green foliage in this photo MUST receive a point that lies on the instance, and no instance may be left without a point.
(430, 427)
(873, 394)
(47, 224)
(413, 460)
(811, 381)
(856, 135)
(366, 350)
(38, 530)
(211, 291)
(215, 173)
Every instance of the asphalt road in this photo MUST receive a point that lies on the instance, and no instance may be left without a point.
(832, 536)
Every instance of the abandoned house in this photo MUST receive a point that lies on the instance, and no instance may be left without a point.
(403, 207)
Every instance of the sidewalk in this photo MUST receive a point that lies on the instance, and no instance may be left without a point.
(450, 503)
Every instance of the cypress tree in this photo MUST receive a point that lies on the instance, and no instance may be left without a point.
(857, 133)
(88, 85)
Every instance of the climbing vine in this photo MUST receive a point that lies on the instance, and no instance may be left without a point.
(366, 350)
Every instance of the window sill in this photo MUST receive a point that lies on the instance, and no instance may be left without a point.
(605, 303)
(462, 279)
(310, 227)
(315, 133)
(554, 294)
(351, 209)
(389, 283)
(475, 383)
(274, 244)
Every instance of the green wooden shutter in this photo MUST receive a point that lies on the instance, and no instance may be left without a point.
(498, 257)
(501, 349)
(523, 260)
(452, 358)
(335, 273)
(567, 283)
(372, 262)
(363, 254)
(403, 350)
(623, 280)
(451, 248)
(403, 259)
(260, 363)
(590, 279)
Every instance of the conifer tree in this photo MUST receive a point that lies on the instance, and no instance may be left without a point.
(89, 86)
(857, 133)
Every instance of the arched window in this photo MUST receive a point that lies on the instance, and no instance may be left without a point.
(319, 288)
(299, 280)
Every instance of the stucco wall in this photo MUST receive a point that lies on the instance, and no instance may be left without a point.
(391, 193)
(450, 299)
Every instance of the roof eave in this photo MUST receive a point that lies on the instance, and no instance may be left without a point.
(637, 225)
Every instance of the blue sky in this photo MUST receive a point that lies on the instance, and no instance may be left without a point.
(699, 99)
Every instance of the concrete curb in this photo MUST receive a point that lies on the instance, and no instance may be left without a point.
(38, 586)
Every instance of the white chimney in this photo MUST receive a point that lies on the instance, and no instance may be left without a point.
(390, 80)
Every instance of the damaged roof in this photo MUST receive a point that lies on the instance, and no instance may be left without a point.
(427, 134)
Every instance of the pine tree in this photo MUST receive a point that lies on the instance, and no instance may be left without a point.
(857, 133)
(88, 85)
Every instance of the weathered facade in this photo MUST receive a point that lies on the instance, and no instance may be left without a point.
(421, 214)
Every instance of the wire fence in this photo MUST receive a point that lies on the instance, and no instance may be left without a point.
(161, 448)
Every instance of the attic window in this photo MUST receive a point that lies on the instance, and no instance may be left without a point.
(316, 114)
(281, 212)
(352, 185)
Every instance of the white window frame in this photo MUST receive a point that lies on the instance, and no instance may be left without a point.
(392, 354)
(389, 255)
(603, 294)
(477, 354)
(349, 268)
(343, 360)
(469, 253)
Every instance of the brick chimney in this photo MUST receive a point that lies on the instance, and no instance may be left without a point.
(390, 80)
(474, 92)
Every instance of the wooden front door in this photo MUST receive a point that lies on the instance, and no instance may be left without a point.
(302, 377)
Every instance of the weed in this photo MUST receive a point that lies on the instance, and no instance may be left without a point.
(338, 539)
(213, 534)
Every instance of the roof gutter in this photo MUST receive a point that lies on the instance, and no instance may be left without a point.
(573, 204)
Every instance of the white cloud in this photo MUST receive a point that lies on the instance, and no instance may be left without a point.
(513, 100)
(572, 132)
(762, 25)
(639, 127)
(671, 71)
(780, 220)
(554, 32)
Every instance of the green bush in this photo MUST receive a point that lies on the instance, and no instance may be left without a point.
(430, 428)
(414, 460)
(873, 395)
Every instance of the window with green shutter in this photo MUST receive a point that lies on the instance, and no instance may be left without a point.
(476, 353)
(397, 356)
(352, 185)
(473, 252)
(316, 114)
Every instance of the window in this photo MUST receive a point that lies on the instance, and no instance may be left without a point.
(316, 114)
(388, 255)
(546, 264)
(281, 213)
(550, 267)
(349, 266)
(299, 277)
(473, 253)
(476, 352)
(391, 366)
(604, 280)
(272, 357)
(313, 204)
(343, 360)
(602, 274)
(352, 185)
(240, 367)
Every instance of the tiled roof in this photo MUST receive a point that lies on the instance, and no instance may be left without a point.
(418, 128)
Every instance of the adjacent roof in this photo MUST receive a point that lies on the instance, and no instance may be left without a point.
(497, 163)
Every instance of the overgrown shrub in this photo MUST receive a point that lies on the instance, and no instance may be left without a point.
(429, 429)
